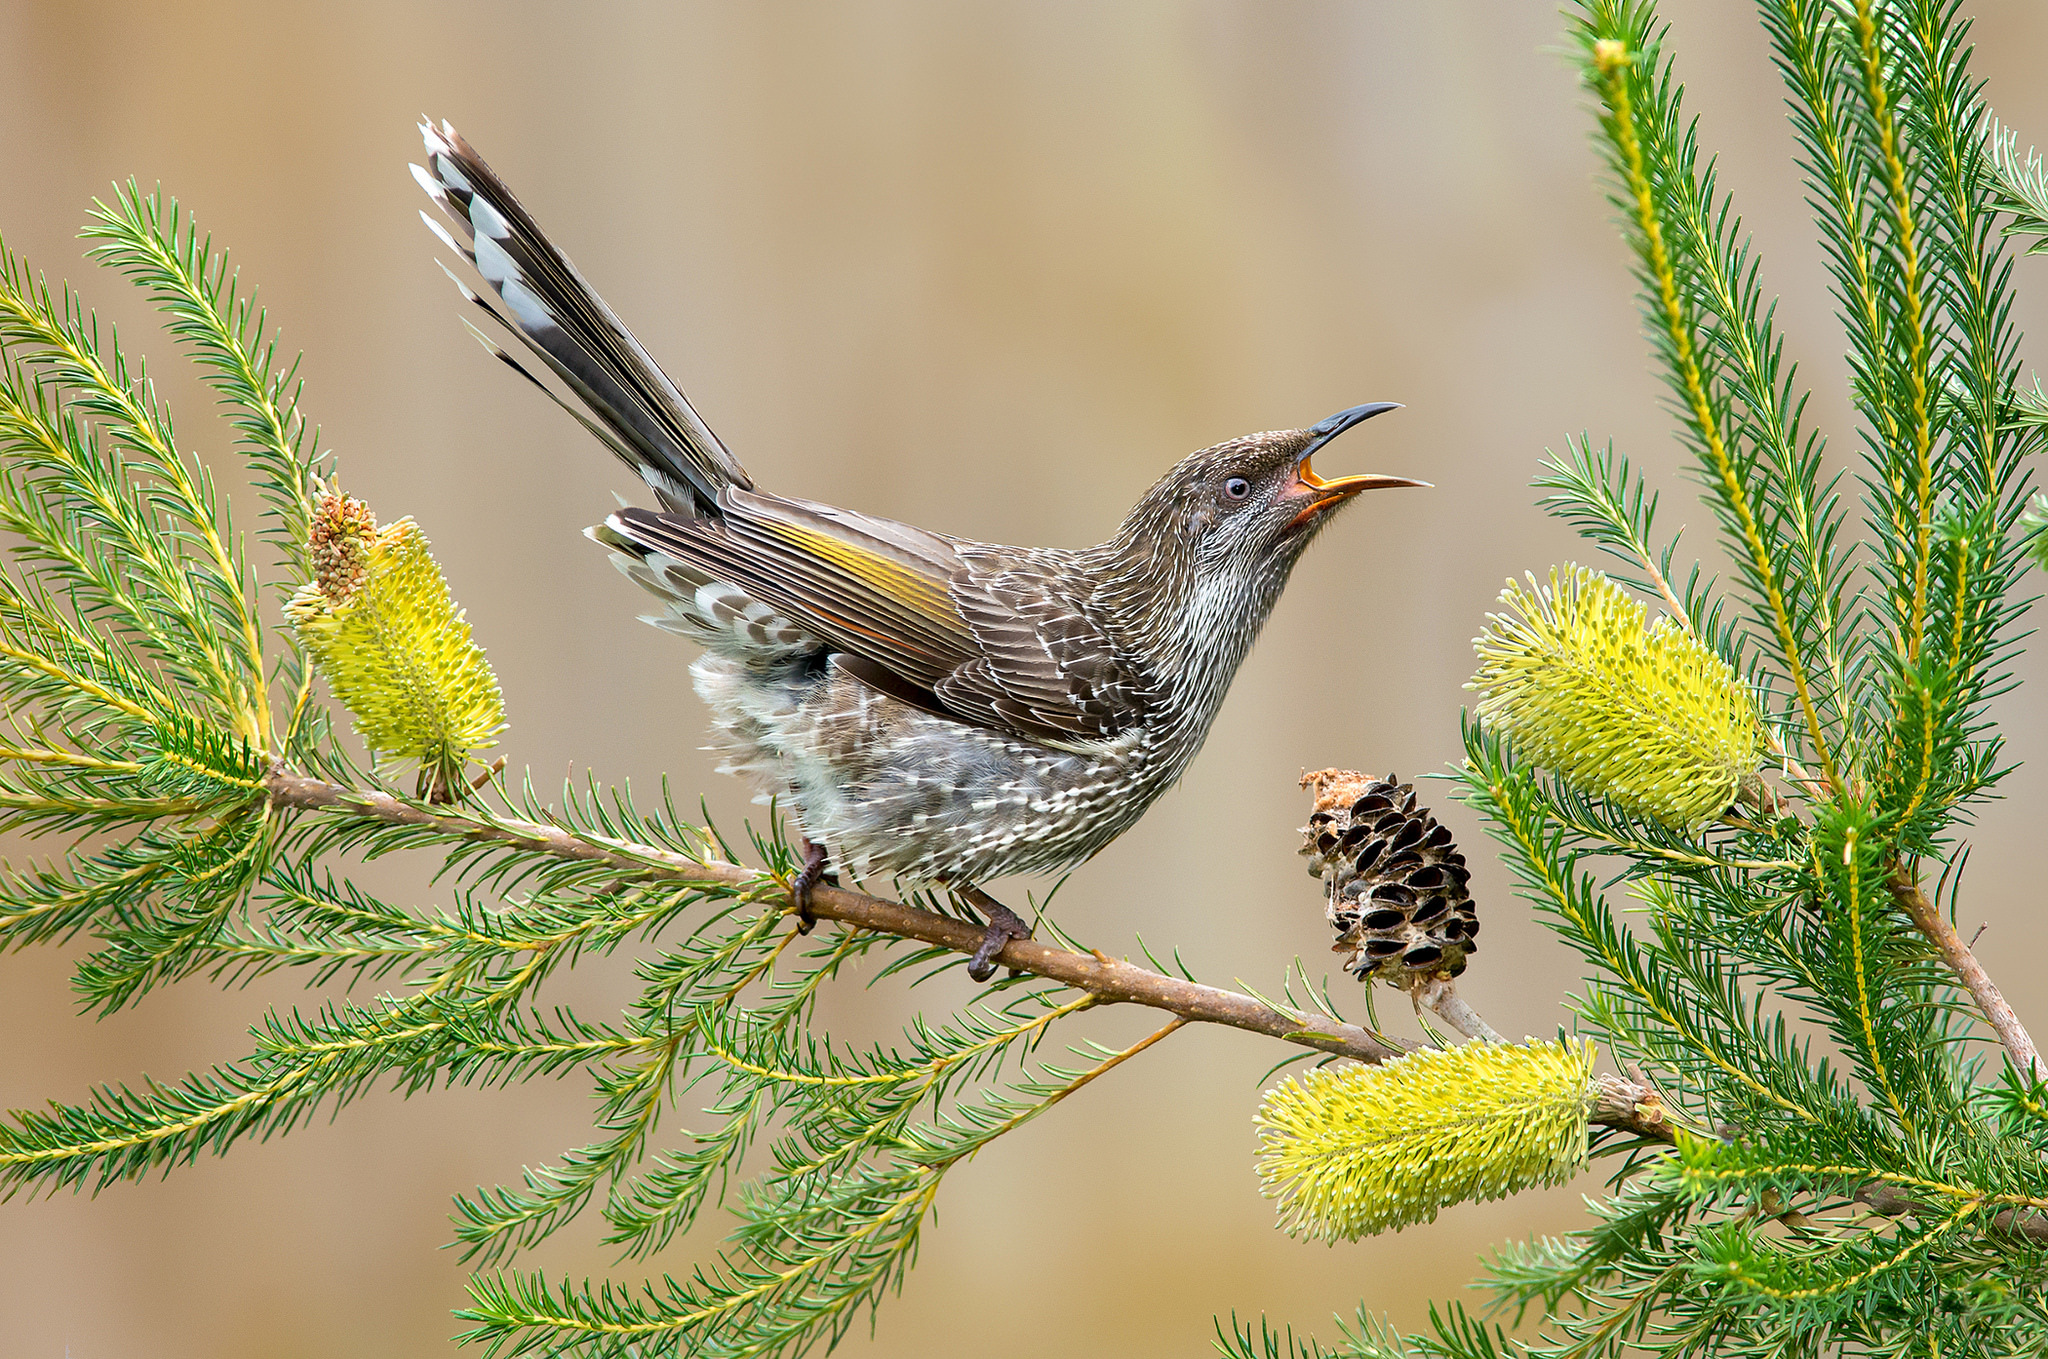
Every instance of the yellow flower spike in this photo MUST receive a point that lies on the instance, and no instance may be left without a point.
(381, 625)
(1650, 719)
(1351, 1151)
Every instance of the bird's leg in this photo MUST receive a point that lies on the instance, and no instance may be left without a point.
(809, 876)
(1004, 925)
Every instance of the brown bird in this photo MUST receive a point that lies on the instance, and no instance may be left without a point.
(942, 710)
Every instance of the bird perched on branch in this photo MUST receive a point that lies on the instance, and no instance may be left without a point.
(934, 708)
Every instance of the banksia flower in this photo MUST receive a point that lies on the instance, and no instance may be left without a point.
(381, 625)
(1353, 1150)
(1396, 883)
(1652, 720)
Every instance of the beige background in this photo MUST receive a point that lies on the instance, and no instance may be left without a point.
(986, 267)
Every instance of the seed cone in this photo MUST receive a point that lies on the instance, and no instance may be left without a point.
(1396, 882)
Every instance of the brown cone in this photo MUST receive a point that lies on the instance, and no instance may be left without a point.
(1396, 882)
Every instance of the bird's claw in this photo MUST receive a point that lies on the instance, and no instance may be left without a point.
(1004, 925)
(800, 886)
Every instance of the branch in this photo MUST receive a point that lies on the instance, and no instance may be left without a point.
(1633, 1106)
(1440, 995)
(1889, 1200)
(1109, 980)
(1630, 1106)
(2019, 1046)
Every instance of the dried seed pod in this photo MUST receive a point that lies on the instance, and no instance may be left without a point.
(1396, 882)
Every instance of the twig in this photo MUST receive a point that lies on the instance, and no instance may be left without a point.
(2019, 1046)
(1624, 1102)
(1633, 1106)
(1113, 1060)
(1440, 995)
(1111, 980)
(1793, 771)
(485, 775)
(1889, 1200)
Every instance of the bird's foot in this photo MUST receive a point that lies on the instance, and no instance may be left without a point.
(1004, 925)
(809, 876)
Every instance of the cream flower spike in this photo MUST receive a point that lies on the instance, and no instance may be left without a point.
(382, 627)
(1652, 720)
(1354, 1150)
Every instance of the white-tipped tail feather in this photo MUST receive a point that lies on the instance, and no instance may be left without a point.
(628, 401)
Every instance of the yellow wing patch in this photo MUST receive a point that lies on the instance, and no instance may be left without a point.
(891, 578)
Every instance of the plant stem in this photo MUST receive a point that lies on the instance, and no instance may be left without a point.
(1113, 1060)
(2019, 1045)
(1110, 980)
(1889, 1200)
(1633, 1106)
(1440, 995)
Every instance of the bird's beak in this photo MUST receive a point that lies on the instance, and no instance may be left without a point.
(1318, 494)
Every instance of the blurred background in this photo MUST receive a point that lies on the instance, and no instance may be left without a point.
(990, 268)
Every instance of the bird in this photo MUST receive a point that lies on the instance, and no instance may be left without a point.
(928, 707)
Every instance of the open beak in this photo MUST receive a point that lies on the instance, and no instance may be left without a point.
(1318, 494)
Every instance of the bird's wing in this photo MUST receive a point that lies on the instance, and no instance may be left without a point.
(1049, 664)
(972, 633)
(872, 589)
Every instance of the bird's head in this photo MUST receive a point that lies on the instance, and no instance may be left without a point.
(1232, 520)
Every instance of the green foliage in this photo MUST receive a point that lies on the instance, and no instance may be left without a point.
(171, 734)
(146, 238)
(1351, 1151)
(1845, 1180)
(1366, 1336)
(1728, 817)
(2019, 189)
(2032, 523)
(133, 669)
(1653, 721)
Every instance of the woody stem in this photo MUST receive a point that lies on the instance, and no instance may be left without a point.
(1109, 980)
(2012, 1035)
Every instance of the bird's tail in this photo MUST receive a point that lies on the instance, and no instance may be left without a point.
(629, 403)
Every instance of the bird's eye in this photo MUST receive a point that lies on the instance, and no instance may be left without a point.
(1237, 488)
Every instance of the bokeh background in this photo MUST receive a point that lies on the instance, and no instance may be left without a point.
(990, 268)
